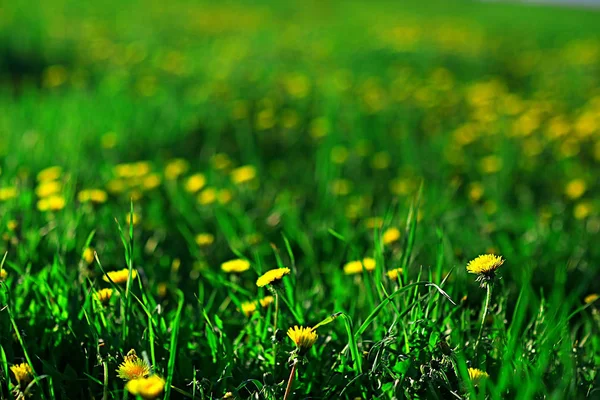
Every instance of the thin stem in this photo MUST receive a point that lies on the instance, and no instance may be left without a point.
(275, 329)
(485, 311)
(288, 389)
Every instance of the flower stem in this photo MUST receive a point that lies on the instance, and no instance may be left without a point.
(485, 311)
(275, 328)
(288, 389)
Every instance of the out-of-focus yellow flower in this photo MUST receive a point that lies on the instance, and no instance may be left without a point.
(151, 181)
(266, 301)
(297, 85)
(221, 161)
(161, 289)
(103, 295)
(239, 110)
(582, 210)
(490, 207)
(476, 191)
(394, 273)
(3, 274)
(401, 186)
(575, 189)
(132, 170)
(195, 183)
(116, 186)
(94, 195)
(205, 239)
(341, 187)
(148, 388)
(272, 276)
(224, 196)
(51, 203)
(303, 337)
(243, 174)
(48, 188)
(8, 193)
(120, 276)
(135, 218)
(265, 119)
(109, 140)
(381, 160)
(175, 168)
(339, 154)
(391, 235)
(289, 119)
(248, 308)
(590, 298)
(23, 374)
(11, 225)
(133, 367)
(235, 266)
(54, 76)
(207, 196)
(49, 174)
(319, 127)
(88, 255)
(476, 375)
(356, 267)
(491, 164)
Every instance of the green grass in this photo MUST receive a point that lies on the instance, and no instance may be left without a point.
(472, 128)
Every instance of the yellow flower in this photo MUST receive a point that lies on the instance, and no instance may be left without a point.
(381, 160)
(575, 189)
(374, 222)
(103, 295)
(133, 367)
(339, 154)
(88, 255)
(148, 388)
(248, 308)
(7, 193)
(485, 266)
(129, 218)
(52, 203)
(303, 337)
(120, 276)
(476, 375)
(491, 164)
(23, 373)
(49, 174)
(356, 267)
(176, 167)
(582, 210)
(207, 196)
(237, 265)
(151, 181)
(272, 276)
(221, 161)
(48, 188)
(94, 195)
(224, 196)
(391, 235)
(476, 191)
(133, 170)
(266, 301)
(12, 225)
(394, 273)
(3, 274)
(341, 187)
(116, 186)
(243, 174)
(109, 140)
(590, 298)
(204, 239)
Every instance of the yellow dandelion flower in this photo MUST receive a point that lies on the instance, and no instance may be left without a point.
(204, 239)
(52, 203)
(339, 154)
(116, 186)
(224, 196)
(575, 189)
(228, 396)
(374, 222)
(133, 367)
(476, 375)
(8, 193)
(582, 210)
(221, 161)
(88, 255)
(151, 181)
(103, 295)
(3, 274)
(590, 298)
(303, 337)
(92, 195)
(175, 168)
(485, 266)
(243, 174)
(48, 188)
(49, 174)
(12, 225)
(248, 308)
(476, 191)
(341, 187)
(356, 267)
(23, 373)
(148, 388)
(271, 277)
(109, 140)
(120, 276)
(391, 235)
(238, 265)
(381, 160)
(266, 301)
(491, 164)
(207, 196)
(393, 274)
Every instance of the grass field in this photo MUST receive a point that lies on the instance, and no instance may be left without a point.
(157, 158)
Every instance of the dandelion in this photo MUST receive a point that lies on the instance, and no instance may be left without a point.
(272, 276)
(476, 191)
(88, 255)
(120, 276)
(97, 196)
(133, 367)
(394, 273)
(339, 154)
(381, 160)
(243, 174)
(132, 218)
(235, 266)
(391, 235)
(48, 188)
(3, 274)
(590, 298)
(485, 266)
(303, 337)
(148, 388)
(476, 375)
(103, 295)
(49, 174)
(582, 210)
(266, 301)
(575, 189)
(23, 374)
(12, 225)
(205, 239)
(224, 196)
(52, 203)
(151, 181)
(175, 168)
(8, 193)
(221, 161)
(356, 267)
(207, 196)
(248, 308)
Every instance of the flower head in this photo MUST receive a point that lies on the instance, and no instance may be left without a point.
(120, 276)
(250, 307)
(394, 273)
(133, 367)
(205, 239)
(272, 276)
(590, 298)
(51, 203)
(356, 267)
(237, 265)
(103, 295)
(92, 195)
(23, 373)
(148, 388)
(476, 375)
(391, 235)
(3, 274)
(485, 266)
(303, 337)
(243, 174)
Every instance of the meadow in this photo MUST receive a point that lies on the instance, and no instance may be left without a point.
(289, 200)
